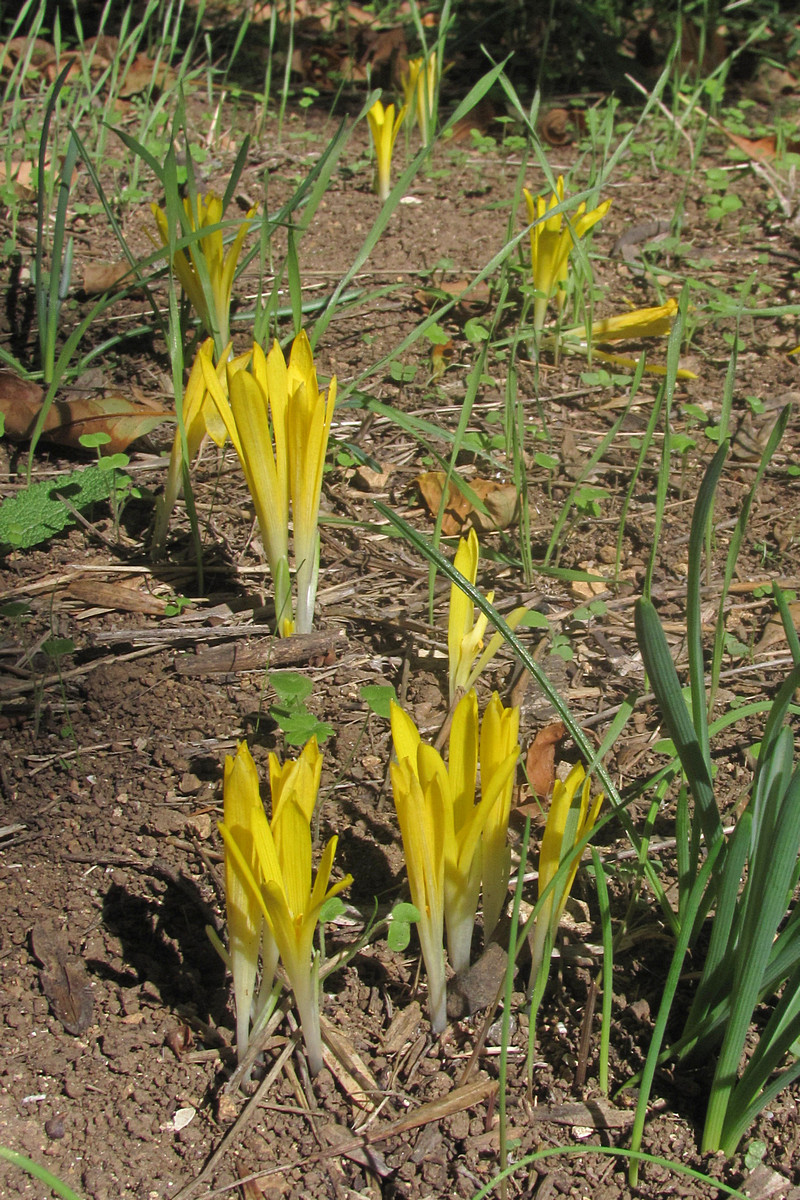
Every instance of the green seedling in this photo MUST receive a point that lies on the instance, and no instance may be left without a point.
(379, 698)
(291, 713)
(401, 918)
(720, 201)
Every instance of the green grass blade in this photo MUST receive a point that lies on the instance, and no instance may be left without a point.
(38, 1172)
(670, 986)
(694, 620)
(664, 680)
(788, 624)
(771, 869)
(773, 441)
(716, 977)
(604, 908)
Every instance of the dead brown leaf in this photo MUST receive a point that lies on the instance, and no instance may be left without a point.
(480, 118)
(67, 421)
(469, 306)
(115, 596)
(141, 71)
(540, 761)
(500, 500)
(64, 980)
(762, 149)
(559, 126)
(20, 178)
(99, 277)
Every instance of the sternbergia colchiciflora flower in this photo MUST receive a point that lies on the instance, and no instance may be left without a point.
(464, 630)
(420, 82)
(552, 240)
(630, 326)
(573, 812)
(200, 418)
(272, 904)
(279, 423)
(450, 840)
(212, 300)
(384, 127)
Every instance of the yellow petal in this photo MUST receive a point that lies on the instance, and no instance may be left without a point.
(463, 758)
(405, 735)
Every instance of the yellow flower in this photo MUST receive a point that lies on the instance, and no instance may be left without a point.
(419, 83)
(443, 827)
(551, 245)
(212, 306)
(638, 323)
(384, 127)
(499, 740)
(465, 631)
(279, 424)
(572, 814)
(246, 825)
(200, 417)
(281, 883)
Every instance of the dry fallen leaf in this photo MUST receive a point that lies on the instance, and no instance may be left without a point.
(470, 306)
(500, 500)
(99, 277)
(774, 633)
(64, 980)
(441, 354)
(540, 762)
(19, 175)
(762, 149)
(67, 421)
(559, 126)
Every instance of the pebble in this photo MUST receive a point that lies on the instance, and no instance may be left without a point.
(54, 1128)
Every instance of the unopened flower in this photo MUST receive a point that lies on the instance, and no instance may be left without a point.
(445, 831)
(573, 812)
(630, 326)
(420, 82)
(279, 423)
(552, 239)
(200, 418)
(211, 302)
(269, 874)
(384, 127)
(465, 631)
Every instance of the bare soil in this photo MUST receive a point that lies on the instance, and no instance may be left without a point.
(111, 764)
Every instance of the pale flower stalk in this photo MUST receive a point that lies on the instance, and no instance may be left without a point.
(573, 812)
(552, 240)
(279, 884)
(211, 302)
(465, 631)
(442, 827)
(384, 127)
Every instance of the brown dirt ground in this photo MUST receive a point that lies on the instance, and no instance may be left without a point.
(111, 774)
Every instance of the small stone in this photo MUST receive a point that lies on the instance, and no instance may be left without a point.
(54, 1128)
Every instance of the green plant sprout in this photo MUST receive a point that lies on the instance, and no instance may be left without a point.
(290, 712)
